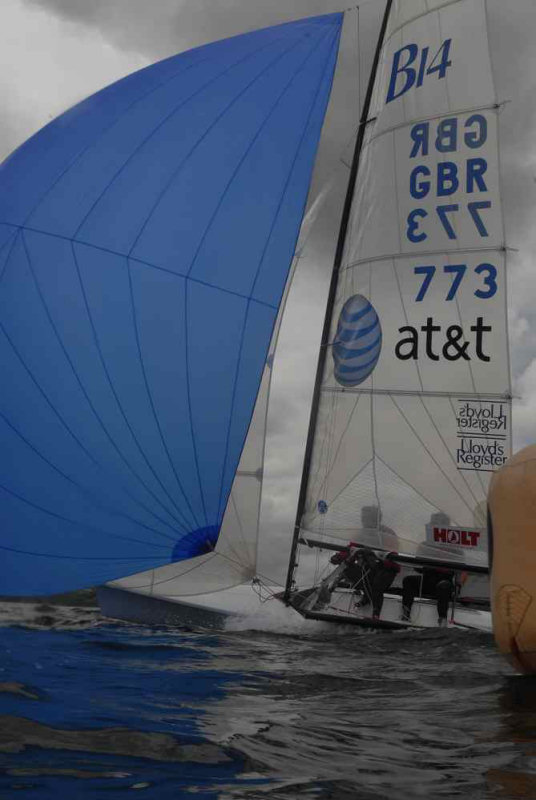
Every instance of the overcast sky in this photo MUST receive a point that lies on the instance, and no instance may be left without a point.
(55, 52)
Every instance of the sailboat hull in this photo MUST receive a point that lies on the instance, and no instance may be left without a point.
(201, 611)
(341, 609)
(144, 609)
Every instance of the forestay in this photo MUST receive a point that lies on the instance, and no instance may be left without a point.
(146, 237)
(414, 415)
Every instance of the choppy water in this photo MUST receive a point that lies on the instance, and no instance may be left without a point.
(91, 709)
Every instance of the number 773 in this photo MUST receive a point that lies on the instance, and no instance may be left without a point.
(487, 271)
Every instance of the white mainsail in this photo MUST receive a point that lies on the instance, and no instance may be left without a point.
(414, 410)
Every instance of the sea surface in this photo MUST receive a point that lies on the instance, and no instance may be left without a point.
(277, 708)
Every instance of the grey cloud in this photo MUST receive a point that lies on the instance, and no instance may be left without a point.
(512, 50)
(162, 27)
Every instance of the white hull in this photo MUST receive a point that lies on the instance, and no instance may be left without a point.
(215, 610)
(200, 611)
(341, 609)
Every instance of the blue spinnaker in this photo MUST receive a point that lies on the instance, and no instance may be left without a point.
(145, 240)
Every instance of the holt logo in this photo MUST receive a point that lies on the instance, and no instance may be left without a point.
(456, 536)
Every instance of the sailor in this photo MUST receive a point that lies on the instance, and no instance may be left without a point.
(367, 573)
(437, 583)
(434, 582)
(373, 533)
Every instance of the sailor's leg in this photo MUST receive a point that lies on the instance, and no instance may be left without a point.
(444, 593)
(411, 586)
(324, 597)
(381, 582)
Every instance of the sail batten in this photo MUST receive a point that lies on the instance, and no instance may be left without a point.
(416, 392)
(400, 254)
(495, 107)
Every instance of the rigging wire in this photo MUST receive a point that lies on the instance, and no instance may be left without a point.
(338, 260)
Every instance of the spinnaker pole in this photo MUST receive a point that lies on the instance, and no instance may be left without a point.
(364, 120)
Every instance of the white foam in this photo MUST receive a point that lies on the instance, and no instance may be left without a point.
(274, 616)
(254, 607)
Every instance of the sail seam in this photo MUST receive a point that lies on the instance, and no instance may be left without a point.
(419, 16)
(207, 559)
(22, 228)
(238, 366)
(108, 128)
(473, 383)
(416, 392)
(422, 254)
(63, 421)
(415, 120)
(414, 488)
(18, 233)
(271, 350)
(119, 405)
(347, 484)
(212, 125)
(189, 396)
(313, 106)
(9, 241)
(248, 149)
(151, 400)
(304, 133)
(421, 382)
(432, 457)
(253, 52)
(127, 559)
(448, 449)
(235, 562)
(278, 210)
(241, 539)
(95, 500)
(350, 417)
(78, 525)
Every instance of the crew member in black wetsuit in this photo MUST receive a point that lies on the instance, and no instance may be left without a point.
(434, 582)
(369, 574)
(437, 583)
(373, 533)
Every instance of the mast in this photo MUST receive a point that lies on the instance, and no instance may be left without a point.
(345, 218)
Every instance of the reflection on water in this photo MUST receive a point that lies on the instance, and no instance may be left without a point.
(93, 709)
(17, 734)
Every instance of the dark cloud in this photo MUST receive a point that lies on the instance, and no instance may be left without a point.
(162, 27)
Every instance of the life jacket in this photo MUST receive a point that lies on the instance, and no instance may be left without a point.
(342, 555)
(390, 564)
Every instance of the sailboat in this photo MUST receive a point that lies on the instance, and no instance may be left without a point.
(147, 243)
